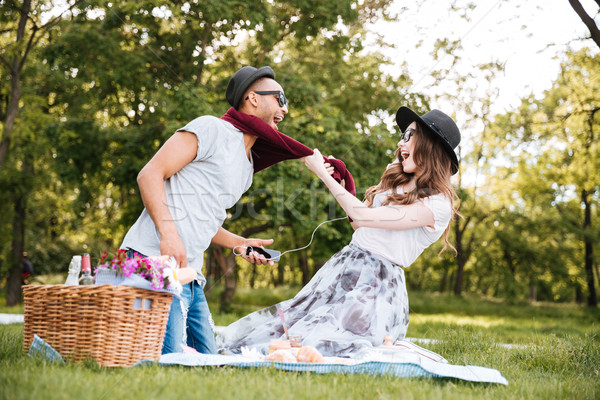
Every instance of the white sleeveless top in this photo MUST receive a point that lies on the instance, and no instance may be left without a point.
(402, 247)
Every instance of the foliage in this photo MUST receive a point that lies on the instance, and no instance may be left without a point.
(528, 190)
(550, 172)
(106, 83)
(96, 114)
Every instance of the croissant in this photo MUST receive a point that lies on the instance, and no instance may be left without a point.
(309, 354)
(281, 355)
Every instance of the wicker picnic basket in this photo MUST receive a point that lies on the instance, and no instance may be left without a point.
(115, 325)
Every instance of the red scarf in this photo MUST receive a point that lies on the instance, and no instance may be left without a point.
(273, 146)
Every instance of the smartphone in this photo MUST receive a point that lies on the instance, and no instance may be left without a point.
(270, 255)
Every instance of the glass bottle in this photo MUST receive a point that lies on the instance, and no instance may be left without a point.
(74, 269)
(86, 271)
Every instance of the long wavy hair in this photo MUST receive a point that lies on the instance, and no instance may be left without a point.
(434, 165)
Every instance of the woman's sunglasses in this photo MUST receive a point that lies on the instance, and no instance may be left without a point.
(407, 134)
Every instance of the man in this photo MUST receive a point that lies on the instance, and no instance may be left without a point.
(27, 268)
(199, 173)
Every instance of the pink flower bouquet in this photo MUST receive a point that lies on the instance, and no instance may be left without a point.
(162, 272)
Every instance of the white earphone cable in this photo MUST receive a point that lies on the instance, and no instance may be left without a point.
(300, 248)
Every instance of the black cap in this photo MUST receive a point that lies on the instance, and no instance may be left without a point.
(241, 81)
(435, 122)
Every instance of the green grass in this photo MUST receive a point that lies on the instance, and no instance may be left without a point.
(247, 301)
(509, 323)
(4, 309)
(557, 356)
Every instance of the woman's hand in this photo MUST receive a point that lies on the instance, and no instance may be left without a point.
(316, 163)
(330, 168)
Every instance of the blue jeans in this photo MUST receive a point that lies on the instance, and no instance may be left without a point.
(196, 326)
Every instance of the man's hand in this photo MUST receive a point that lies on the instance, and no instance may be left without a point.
(254, 257)
(172, 245)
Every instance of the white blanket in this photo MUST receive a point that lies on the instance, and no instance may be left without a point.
(402, 364)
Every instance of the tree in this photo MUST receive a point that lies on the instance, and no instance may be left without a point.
(589, 21)
(26, 30)
(156, 65)
(572, 108)
(472, 101)
(552, 156)
(24, 33)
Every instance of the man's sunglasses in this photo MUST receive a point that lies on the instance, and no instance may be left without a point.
(407, 135)
(280, 98)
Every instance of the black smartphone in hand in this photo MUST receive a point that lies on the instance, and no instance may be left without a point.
(270, 255)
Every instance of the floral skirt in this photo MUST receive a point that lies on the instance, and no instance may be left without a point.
(354, 301)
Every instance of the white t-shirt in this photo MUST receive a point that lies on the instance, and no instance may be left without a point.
(402, 247)
(199, 194)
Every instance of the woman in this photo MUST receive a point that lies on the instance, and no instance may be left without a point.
(359, 296)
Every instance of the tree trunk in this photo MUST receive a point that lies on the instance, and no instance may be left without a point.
(253, 275)
(317, 266)
(578, 294)
(13, 290)
(280, 272)
(587, 20)
(304, 267)
(227, 265)
(532, 292)
(597, 274)
(16, 65)
(444, 281)
(460, 259)
(592, 300)
(213, 272)
(485, 289)
(11, 111)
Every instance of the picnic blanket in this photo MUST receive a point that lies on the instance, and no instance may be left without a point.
(403, 364)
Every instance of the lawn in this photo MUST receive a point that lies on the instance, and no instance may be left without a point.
(554, 354)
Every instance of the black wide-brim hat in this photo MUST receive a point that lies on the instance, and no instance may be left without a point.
(436, 123)
(241, 81)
